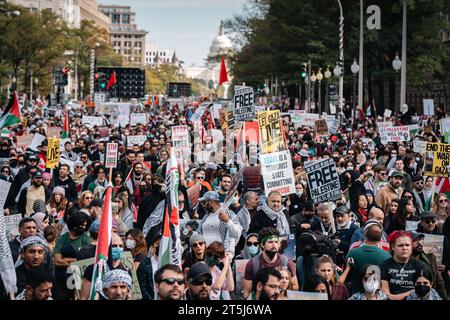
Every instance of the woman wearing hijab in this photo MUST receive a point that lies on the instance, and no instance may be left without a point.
(42, 221)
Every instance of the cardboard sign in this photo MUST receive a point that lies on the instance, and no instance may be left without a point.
(445, 125)
(91, 121)
(397, 134)
(77, 269)
(180, 138)
(136, 118)
(434, 244)
(428, 107)
(112, 153)
(12, 225)
(37, 140)
(437, 159)
(270, 131)
(323, 180)
(321, 127)
(139, 140)
(24, 140)
(54, 132)
(420, 146)
(199, 112)
(277, 172)
(53, 153)
(4, 189)
(244, 104)
(303, 295)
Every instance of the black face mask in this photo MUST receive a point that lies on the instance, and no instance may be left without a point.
(78, 231)
(156, 188)
(422, 290)
(156, 251)
(271, 254)
(308, 216)
(142, 188)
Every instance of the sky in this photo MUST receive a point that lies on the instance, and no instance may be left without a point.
(187, 26)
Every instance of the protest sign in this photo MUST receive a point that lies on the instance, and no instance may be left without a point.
(120, 119)
(333, 126)
(24, 140)
(37, 140)
(53, 153)
(91, 121)
(277, 172)
(77, 269)
(244, 104)
(199, 112)
(270, 131)
(139, 140)
(194, 194)
(305, 119)
(231, 120)
(419, 146)
(240, 270)
(233, 187)
(445, 125)
(4, 189)
(136, 118)
(428, 107)
(387, 113)
(411, 226)
(180, 138)
(112, 153)
(12, 225)
(321, 127)
(303, 295)
(323, 180)
(397, 134)
(434, 244)
(54, 132)
(290, 249)
(383, 131)
(437, 158)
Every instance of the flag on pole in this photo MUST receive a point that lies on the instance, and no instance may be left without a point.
(112, 80)
(170, 247)
(129, 182)
(223, 73)
(66, 126)
(7, 270)
(103, 243)
(12, 114)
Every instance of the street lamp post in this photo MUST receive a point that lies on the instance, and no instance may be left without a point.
(327, 75)
(313, 82)
(93, 70)
(14, 83)
(397, 65)
(403, 72)
(355, 70)
(36, 82)
(319, 77)
(341, 56)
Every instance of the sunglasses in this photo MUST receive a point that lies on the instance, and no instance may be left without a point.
(117, 245)
(199, 177)
(89, 198)
(383, 173)
(200, 282)
(408, 197)
(198, 244)
(443, 200)
(171, 281)
(5, 171)
(252, 244)
(428, 220)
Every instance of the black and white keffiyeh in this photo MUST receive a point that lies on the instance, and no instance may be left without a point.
(282, 222)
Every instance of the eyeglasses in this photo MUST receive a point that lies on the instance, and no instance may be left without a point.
(200, 177)
(198, 244)
(171, 281)
(429, 220)
(408, 197)
(383, 173)
(89, 198)
(200, 282)
(252, 244)
(117, 245)
(79, 166)
(443, 200)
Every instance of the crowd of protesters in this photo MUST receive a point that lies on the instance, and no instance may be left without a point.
(356, 248)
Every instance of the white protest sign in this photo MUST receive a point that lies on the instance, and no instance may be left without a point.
(70, 163)
(277, 172)
(387, 113)
(244, 104)
(136, 118)
(306, 119)
(180, 138)
(445, 125)
(334, 126)
(382, 130)
(139, 140)
(216, 110)
(123, 108)
(419, 146)
(120, 119)
(112, 153)
(428, 107)
(332, 108)
(323, 180)
(304, 295)
(4, 189)
(434, 244)
(199, 112)
(397, 134)
(37, 140)
(91, 121)
(12, 224)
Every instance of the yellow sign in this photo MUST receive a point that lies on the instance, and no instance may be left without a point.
(270, 131)
(53, 153)
(437, 160)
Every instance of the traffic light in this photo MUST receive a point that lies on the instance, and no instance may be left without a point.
(65, 76)
(130, 82)
(103, 82)
(179, 89)
(303, 71)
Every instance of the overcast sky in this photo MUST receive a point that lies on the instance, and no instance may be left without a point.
(187, 26)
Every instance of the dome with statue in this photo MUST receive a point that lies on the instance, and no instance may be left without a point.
(220, 45)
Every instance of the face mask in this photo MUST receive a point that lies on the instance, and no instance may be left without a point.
(78, 231)
(233, 170)
(371, 285)
(349, 168)
(271, 254)
(117, 253)
(422, 290)
(308, 216)
(253, 250)
(131, 244)
(299, 193)
(156, 251)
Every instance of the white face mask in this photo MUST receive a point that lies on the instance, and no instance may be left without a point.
(371, 285)
(130, 244)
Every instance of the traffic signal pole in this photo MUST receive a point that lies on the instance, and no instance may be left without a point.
(92, 74)
(309, 85)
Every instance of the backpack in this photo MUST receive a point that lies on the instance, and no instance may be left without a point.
(256, 263)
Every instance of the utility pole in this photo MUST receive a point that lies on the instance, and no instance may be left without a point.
(403, 70)
(361, 56)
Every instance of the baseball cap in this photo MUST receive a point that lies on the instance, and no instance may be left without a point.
(37, 175)
(97, 202)
(198, 269)
(210, 195)
(396, 173)
(32, 157)
(342, 209)
(427, 214)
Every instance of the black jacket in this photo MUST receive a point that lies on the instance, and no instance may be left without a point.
(69, 186)
(148, 205)
(261, 220)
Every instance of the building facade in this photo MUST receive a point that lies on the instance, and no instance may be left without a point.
(126, 39)
(89, 11)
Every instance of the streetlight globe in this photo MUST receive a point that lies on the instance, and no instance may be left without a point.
(36, 80)
(14, 79)
(313, 77)
(327, 73)
(397, 63)
(15, 13)
(337, 71)
(355, 67)
(319, 75)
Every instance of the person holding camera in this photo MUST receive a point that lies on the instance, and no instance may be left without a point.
(345, 229)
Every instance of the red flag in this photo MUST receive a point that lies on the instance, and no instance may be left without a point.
(112, 81)
(223, 73)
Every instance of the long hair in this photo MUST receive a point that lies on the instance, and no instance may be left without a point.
(401, 212)
(141, 244)
(58, 206)
(327, 259)
(435, 204)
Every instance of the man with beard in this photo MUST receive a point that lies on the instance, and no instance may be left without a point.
(269, 257)
(378, 180)
(116, 285)
(418, 184)
(32, 193)
(225, 183)
(66, 182)
(267, 284)
(136, 176)
(247, 211)
(199, 282)
(38, 286)
(169, 282)
(369, 253)
(429, 259)
(126, 165)
(345, 229)
(393, 190)
(21, 181)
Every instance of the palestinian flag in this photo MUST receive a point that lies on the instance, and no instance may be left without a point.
(66, 126)
(170, 247)
(11, 115)
(103, 243)
(129, 182)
